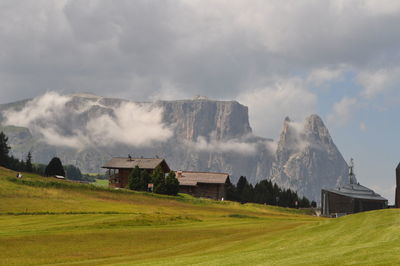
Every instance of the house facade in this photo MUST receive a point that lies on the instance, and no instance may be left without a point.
(203, 184)
(119, 168)
(350, 198)
(397, 198)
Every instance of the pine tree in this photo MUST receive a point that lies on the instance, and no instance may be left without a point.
(28, 164)
(4, 150)
(158, 180)
(54, 168)
(134, 179)
(171, 184)
(144, 180)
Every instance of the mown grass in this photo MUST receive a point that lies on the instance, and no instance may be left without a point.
(49, 221)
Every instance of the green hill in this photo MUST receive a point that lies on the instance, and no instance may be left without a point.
(49, 221)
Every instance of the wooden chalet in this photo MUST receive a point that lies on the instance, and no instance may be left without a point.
(119, 168)
(397, 195)
(203, 184)
(350, 198)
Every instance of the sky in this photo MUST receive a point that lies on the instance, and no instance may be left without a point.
(336, 58)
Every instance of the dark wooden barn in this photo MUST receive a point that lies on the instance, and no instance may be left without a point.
(203, 184)
(350, 198)
(119, 168)
(397, 199)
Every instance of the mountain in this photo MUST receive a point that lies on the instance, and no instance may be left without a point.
(198, 134)
(307, 159)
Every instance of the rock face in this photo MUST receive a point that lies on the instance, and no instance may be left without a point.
(207, 135)
(307, 159)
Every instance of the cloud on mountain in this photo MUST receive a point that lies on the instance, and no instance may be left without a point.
(50, 119)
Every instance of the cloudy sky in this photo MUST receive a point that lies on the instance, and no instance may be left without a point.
(337, 58)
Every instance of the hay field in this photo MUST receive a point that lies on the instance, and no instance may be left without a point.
(48, 221)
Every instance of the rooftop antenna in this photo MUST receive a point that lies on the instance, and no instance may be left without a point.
(352, 176)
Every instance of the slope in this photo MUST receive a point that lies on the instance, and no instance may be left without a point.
(47, 221)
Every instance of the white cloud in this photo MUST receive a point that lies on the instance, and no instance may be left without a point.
(268, 106)
(376, 82)
(232, 146)
(132, 124)
(343, 111)
(56, 124)
(322, 75)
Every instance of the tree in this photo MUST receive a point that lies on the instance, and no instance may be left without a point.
(158, 179)
(171, 184)
(4, 150)
(134, 179)
(73, 172)
(54, 168)
(244, 190)
(144, 180)
(28, 164)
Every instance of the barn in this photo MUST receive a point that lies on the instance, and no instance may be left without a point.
(203, 184)
(397, 198)
(119, 168)
(350, 198)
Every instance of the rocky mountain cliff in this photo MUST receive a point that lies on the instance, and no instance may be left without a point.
(307, 159)
(198, 134)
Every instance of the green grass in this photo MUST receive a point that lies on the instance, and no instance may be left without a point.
(101, 182)
(49, 221)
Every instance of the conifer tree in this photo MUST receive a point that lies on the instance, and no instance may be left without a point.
(144, 180)
(4, 150)
(28, 164)
(158, 180)
(171, 184)
(54, 168)
(134, 179)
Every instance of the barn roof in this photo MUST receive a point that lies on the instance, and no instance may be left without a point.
(187, 178)
(357, 191)
(129, 163)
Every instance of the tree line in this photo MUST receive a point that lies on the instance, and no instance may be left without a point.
(266, 192)
(54, 167)
(139, 180)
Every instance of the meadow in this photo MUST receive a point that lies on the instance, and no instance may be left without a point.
(49, 221)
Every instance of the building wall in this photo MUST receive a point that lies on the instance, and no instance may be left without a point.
(204, 190)
(334, 203)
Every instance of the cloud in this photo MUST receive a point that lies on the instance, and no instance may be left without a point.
(56, 123)
(376, 82)
(246, 145)
(131, 124)
(232, 145)
(323, 75)
(216, 48)
(268, 106)
(343, 111)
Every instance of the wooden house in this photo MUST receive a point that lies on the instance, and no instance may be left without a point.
(119, 168)
(350, 198)
(203, 184)
(397, 195)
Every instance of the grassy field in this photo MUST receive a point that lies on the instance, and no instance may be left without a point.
(48, 221)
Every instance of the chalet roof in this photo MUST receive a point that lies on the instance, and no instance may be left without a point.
(357, 191)
(129, 163)
(187, 178)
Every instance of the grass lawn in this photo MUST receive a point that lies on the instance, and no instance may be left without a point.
(101, 182)
(49, 221)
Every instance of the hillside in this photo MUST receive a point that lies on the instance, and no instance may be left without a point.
(48, 221)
